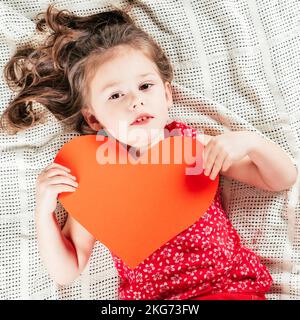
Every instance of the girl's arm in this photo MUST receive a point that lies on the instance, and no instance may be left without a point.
(64, 252)
(274, 165)
(250, 159)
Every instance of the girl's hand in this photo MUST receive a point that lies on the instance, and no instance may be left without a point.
(53, 180)
(224, 149)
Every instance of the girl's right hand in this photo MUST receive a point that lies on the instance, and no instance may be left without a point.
(53, 180)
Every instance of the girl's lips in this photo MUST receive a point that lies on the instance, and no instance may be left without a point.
(142, 121)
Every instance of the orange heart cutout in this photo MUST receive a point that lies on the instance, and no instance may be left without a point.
(134, 208)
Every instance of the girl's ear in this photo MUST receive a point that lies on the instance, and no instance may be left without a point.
(169, 98)
(91, 119)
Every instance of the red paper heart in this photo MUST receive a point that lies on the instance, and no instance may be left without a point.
(134, 208)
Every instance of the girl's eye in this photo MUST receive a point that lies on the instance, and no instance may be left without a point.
(115, 95)
(144, 87)
(146, 84)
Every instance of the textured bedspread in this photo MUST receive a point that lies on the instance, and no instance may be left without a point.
(237, 67)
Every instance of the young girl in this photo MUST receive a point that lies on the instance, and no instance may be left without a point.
(102, 72)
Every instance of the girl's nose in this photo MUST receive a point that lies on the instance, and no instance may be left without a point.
(136, 104)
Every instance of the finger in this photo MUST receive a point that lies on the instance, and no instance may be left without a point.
(206, 152)
(58, 188)
(226, 164)
(55, 165)
(63, 180)
(211, 158)
(217, 165)
(57, 171)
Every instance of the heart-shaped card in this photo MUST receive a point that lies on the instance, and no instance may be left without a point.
(135, 206)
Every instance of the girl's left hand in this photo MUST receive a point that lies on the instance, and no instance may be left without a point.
(222, 150)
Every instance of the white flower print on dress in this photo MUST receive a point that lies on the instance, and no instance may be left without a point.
(176, 279)
(207, 230)
(166, 253)
(149, 267)
(157, 276)
(242, 285)
(178, 257)
(164, 287)
(148, 287)
(131, 275)
(137, 295)
(195, 237)
(244, 269)
(194, 258)
(169, 268)
(139, 277)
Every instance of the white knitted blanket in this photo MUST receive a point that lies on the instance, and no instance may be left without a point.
(236, 68)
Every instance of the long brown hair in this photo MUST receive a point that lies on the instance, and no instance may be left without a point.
(56, 73)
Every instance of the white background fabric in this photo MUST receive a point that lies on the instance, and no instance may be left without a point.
(236, 67)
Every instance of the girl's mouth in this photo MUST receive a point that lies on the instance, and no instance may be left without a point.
(144, 119)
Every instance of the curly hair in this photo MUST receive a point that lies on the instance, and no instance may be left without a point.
(56, 73)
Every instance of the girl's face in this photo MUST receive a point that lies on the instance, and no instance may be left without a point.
(125, 87)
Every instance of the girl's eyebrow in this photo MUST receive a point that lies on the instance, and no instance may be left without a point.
(146, 74)
(111, 84)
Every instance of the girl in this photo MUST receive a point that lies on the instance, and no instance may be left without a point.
(102, 72)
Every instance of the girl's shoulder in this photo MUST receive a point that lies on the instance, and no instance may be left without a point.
(179, 128)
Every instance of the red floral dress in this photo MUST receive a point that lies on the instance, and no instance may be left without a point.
(206, 258)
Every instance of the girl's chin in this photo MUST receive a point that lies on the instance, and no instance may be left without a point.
(143, 139)
(138, 145)
(133, 144)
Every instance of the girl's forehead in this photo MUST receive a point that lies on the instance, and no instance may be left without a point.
(133, 64)
(125, 58)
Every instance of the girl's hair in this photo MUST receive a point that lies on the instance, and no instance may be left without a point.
(56, 73)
